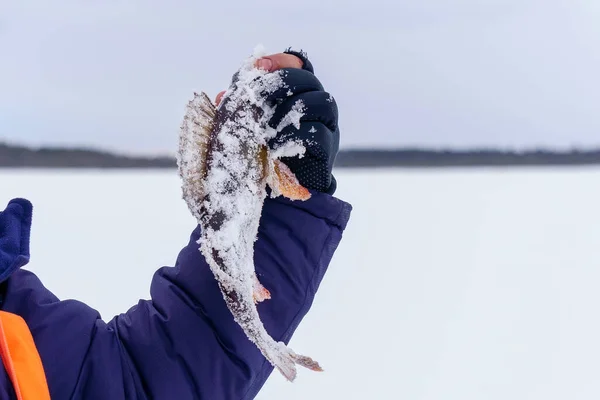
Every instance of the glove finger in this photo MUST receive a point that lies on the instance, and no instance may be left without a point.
(318, 107)
(315, 136)
(295, 81)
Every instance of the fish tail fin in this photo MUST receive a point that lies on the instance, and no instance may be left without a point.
(307, 362)
(285, 361)
(194, 139)
(281, 179)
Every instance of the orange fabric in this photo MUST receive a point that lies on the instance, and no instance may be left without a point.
(21, 358)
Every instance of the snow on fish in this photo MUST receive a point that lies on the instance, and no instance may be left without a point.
(225, 165)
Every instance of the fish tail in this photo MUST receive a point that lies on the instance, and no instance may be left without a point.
(285, 360)
(277, 353)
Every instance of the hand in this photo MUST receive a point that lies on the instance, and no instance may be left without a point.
(319, 131)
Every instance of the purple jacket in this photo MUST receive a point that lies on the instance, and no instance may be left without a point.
(183, 343)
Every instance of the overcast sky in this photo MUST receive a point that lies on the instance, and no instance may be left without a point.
(435, 73)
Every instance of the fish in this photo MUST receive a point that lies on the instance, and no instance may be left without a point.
(226, 164)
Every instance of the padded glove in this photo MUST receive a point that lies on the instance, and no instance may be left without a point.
(319, 130)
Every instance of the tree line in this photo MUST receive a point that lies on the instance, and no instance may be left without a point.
(15, 156)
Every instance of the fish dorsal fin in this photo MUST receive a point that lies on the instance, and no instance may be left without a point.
(194, 139)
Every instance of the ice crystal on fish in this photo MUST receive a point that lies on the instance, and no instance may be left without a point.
(293, 117)
(291, 148)
(225, 165)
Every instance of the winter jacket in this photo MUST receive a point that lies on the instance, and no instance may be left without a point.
(183, 342)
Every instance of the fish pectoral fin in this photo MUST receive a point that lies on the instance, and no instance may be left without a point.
(286, 182)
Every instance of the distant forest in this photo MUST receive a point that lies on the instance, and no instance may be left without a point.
(12, 156)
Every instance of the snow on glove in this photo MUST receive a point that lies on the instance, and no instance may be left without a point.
(319, 131)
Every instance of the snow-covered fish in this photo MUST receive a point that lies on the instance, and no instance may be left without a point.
(225, 165)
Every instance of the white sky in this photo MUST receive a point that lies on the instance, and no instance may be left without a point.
(433, 73)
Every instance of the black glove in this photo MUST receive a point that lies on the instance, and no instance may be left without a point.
(319, 131)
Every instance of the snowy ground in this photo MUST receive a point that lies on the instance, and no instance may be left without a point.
(456, 284)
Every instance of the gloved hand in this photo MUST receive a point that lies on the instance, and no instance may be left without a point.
(319, 131)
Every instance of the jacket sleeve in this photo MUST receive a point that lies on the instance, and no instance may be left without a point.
(183, 343)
